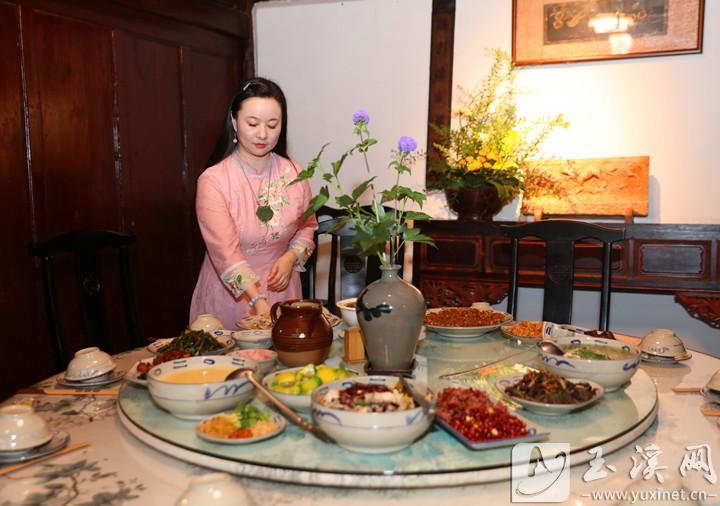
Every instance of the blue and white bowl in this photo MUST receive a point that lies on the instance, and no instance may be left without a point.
(194, 401)
(611, 374)
(256, 338)
(371, 432)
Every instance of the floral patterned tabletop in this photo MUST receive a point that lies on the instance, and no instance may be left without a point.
(118, 469)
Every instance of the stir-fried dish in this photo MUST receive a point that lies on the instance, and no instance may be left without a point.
(525, 329)
(549, 388)
(366, 398)
(194, 342)
(464, 317)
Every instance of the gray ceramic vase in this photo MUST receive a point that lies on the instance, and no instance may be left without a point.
(390, 314)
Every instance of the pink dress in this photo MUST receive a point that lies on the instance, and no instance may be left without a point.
(241, 249)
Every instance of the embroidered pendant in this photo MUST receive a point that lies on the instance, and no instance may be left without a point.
(264, 213)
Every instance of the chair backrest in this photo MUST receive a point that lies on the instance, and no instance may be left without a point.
(86, 246)
(356, 270)
(560, 237)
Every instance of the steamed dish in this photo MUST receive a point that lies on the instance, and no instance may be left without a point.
(596, 352)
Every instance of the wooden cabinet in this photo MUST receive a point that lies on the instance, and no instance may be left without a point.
(471, 263)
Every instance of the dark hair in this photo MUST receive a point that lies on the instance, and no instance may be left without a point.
(254, 87)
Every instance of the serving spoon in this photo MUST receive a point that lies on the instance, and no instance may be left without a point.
(550, 347)
(246, 372)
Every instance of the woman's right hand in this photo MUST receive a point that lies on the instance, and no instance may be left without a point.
(262, 307)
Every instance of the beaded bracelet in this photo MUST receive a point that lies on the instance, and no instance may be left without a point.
(255, 299)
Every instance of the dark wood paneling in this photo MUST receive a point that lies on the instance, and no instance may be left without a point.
(71, 105)
(23, 333)
(154, 190)
(662, 259)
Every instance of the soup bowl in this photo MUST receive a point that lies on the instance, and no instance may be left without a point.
(663, 343)
(89, 363)
(21, 428)
(370, 432)
(194, 387)
(610, 373)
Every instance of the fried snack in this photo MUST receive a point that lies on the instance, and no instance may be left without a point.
(525, 329)
(464, 317)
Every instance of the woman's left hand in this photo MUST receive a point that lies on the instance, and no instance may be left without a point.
(279, 277)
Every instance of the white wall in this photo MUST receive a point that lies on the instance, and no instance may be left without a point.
(333, 57)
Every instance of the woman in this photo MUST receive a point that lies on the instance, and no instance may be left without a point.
(250, 219)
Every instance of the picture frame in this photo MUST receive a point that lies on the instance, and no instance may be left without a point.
(561, 31)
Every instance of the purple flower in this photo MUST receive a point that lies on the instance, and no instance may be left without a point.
(361, 115)
(407, 144)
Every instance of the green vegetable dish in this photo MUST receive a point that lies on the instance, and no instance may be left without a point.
(193, 342)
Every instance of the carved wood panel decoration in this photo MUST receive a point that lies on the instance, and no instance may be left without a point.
(689, 260)
(450, 292)
(593, 187)
(705, 307)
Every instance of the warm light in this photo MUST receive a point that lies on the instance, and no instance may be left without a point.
(620, 43)
(607, 22)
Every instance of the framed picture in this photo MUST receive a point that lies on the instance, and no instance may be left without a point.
(557, 31)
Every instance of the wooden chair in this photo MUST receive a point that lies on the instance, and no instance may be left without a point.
(356, 270)
(560, 237)
(86, 246)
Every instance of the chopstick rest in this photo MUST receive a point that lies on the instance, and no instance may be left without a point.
(710, 411)
(69, 448)
(686, 390)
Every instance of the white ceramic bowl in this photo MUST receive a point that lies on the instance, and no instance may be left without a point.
(371, 432)
(214, 489)
(714, 382)
(348, 311)
(257, 338)
(21, 428)
(195, 401)
(611, 374)
(207, 322)
(663, 343)
(265, 358)
(89, 363)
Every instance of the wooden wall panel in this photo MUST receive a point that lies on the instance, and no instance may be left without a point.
(154, 189)
(71, 106)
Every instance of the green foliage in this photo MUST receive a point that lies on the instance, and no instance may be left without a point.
(379, 232)
(490, 144)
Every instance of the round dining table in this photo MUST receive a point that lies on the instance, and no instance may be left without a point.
(677, 447)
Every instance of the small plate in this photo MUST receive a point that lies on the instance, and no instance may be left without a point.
(226, 341)
(58, 441)
(255, 322)
(464, 332)
(533, 435)
(506, 329)
(105, 379)
(133, 376)
(275, 417)
(543, 408)
(649, 357)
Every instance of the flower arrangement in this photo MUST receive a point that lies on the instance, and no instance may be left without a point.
(490, 144)
(380, 231)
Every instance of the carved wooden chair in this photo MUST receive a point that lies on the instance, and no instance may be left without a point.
(356, 270)
(560, 237)
(86, 246)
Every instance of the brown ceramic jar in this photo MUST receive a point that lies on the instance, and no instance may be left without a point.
(300, 334)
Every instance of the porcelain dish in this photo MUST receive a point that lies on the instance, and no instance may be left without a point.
(713, 383)
(266, 359)
(611, 374)
(106, 379)
(663, 343)
(371, 432)
(214, 489)
(533, 435)
(206, 322)
(348, 311)
(256, 338)
(89, 363)
(276, 418)
(58, 441)
(464, 332)
(657, 359)
(507, 331)
(298, 402)
(133, 376)
(227, 343)
(196, 400)
(21, 428)
(543, 408)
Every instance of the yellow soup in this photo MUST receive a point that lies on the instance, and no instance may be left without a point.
(193, 376)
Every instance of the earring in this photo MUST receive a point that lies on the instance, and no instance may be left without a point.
(234, 140)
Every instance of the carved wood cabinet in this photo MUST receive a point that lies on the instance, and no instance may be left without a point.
(471, 263)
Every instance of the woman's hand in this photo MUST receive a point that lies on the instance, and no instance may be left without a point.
(279, 276)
